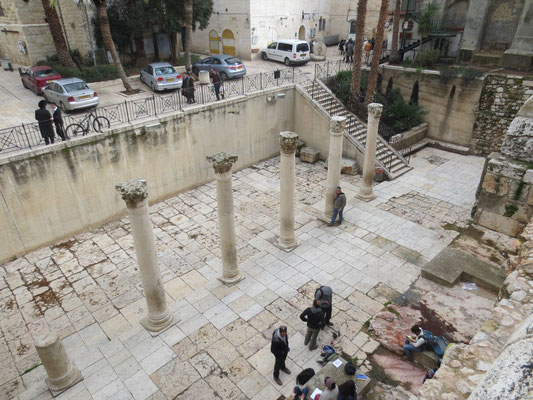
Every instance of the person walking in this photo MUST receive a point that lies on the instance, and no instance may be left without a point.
(58, 122)
(325, 295)
(368, 49)
(349, 51)
(331, 392)
(188, 85)
(314, 316)
(338, 207)
(341, 47)
(217, 83)
(347, 391)
(280, 348)
(45, 122)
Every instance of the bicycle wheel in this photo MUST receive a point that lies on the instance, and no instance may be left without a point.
(75, 129)
(101, 123)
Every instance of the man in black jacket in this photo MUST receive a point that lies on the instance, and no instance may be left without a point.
(314, 316)
(280, 348)
(325, 295)
(58, 122)
(45, 122)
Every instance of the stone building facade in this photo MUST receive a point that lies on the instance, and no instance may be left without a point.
(501, 98)
(25, 36)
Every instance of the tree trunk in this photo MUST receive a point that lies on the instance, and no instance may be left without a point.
(374, 68)
(358, 53)
(57, 35)
(140, 59)
(188, 32)
(394, 55)
(173, 47)
(103, 20)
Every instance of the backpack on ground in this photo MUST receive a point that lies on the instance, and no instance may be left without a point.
(429, 339)
(441, 343)
(350, 368)
(304, 376)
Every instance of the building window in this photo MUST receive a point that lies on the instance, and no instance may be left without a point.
(353, 26)
(322, 24)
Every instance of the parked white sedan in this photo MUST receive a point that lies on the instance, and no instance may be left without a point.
(161, 76)
(70, 94)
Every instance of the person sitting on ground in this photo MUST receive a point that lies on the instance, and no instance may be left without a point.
(325, 295)
(331, 392)
(314, 316)
(414, 343)
(347, 391)
(300, 394)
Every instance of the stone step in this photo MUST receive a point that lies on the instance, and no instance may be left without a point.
(426, 359)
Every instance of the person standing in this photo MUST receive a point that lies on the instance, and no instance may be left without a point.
(280, 348)
(341, 47)
(45, 122)
(314, 316)
(325, 295)
(188, 84)
(217, 83)
(349, 51)
(338, 207)
(58, 122)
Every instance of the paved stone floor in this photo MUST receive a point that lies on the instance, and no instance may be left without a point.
(88, 288)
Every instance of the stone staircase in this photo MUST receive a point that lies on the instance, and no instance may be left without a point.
(387, 157)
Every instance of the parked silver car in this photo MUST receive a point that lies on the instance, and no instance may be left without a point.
(161, 76)
(70, 94)
(226, 66)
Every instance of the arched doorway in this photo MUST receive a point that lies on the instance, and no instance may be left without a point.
(213, 43)
(272, 35)
(301, 33)
(352, 29)
(228, 42)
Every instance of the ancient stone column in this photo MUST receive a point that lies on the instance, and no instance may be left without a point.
(336, 134)
(134, 193)
(366, 190)
(222, 163)
(287, 142)
(61, 372)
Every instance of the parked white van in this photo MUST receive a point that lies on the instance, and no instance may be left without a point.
(288, 51)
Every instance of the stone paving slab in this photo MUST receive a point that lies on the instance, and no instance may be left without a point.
(88, 289)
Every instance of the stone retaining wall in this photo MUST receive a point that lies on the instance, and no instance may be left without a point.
(409, 138)
(501, 98)
(492, 366)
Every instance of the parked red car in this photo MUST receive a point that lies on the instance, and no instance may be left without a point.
(36, 78)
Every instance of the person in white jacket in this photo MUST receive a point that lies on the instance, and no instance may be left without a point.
(414, 343)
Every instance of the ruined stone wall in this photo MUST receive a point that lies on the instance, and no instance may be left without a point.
(502, 97)
(52, 192)
(495, 363)
(75, 25)
(501, 23)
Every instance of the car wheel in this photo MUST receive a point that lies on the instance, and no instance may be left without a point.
(62, 106)
(195, 71)
(223, 76)
(23, 83)
(264, 56)
(152, 86)
(287, 62)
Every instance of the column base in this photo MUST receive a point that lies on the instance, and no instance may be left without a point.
(366, 194)
(156, 326)
(324, 218)
(58, 386)
(231, 281)
(286, 246)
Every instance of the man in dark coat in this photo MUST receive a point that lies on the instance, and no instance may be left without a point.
(58, 122)
(217, 83)
(45, 122)
(280, 348)
(325, 295)
(314, 316)
(338, 207)
(188, 88)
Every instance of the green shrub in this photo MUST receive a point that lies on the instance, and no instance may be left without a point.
(428, 58)
(402, 116)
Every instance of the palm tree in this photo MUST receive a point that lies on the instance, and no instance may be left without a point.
(57, 34)
(358, 53)
(394, 55)
(188, 7)
(374, 68)
(103, 21)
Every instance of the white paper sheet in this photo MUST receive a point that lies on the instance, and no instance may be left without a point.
(337, 363)
(317, 391)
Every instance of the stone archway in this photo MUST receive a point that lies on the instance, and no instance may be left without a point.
(301, 33)
(214, 47)
(228, 42)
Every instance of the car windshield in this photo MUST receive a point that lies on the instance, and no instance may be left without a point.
(74, 87)
(233, 60)
(45, 72)
(164, 71)
(302, 47)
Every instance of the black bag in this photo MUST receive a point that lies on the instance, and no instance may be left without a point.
(304, 376)
(350, 368)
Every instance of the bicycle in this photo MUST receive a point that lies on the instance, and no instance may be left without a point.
(83, 127)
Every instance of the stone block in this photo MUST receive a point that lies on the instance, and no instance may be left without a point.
(427, 359)
(528, 176)
(500, 223)
(349, 167)
(309, 155)
(530, 197)
(496, 184)
(348, 349)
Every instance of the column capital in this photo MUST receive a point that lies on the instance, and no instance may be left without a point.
(222, 162)
(375, 110)
(287, 142)
(133, 191)
(337, 124)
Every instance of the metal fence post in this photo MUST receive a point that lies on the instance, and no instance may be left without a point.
(261, 80)
(242, 84)
(155, 106)
(327, 70)
(127, 112)
(26, 134)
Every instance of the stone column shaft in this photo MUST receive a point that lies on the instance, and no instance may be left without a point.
(61, 372)
(135, 194)
(366, 190)
(288, 142)
(222, 164)
(336, 135)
